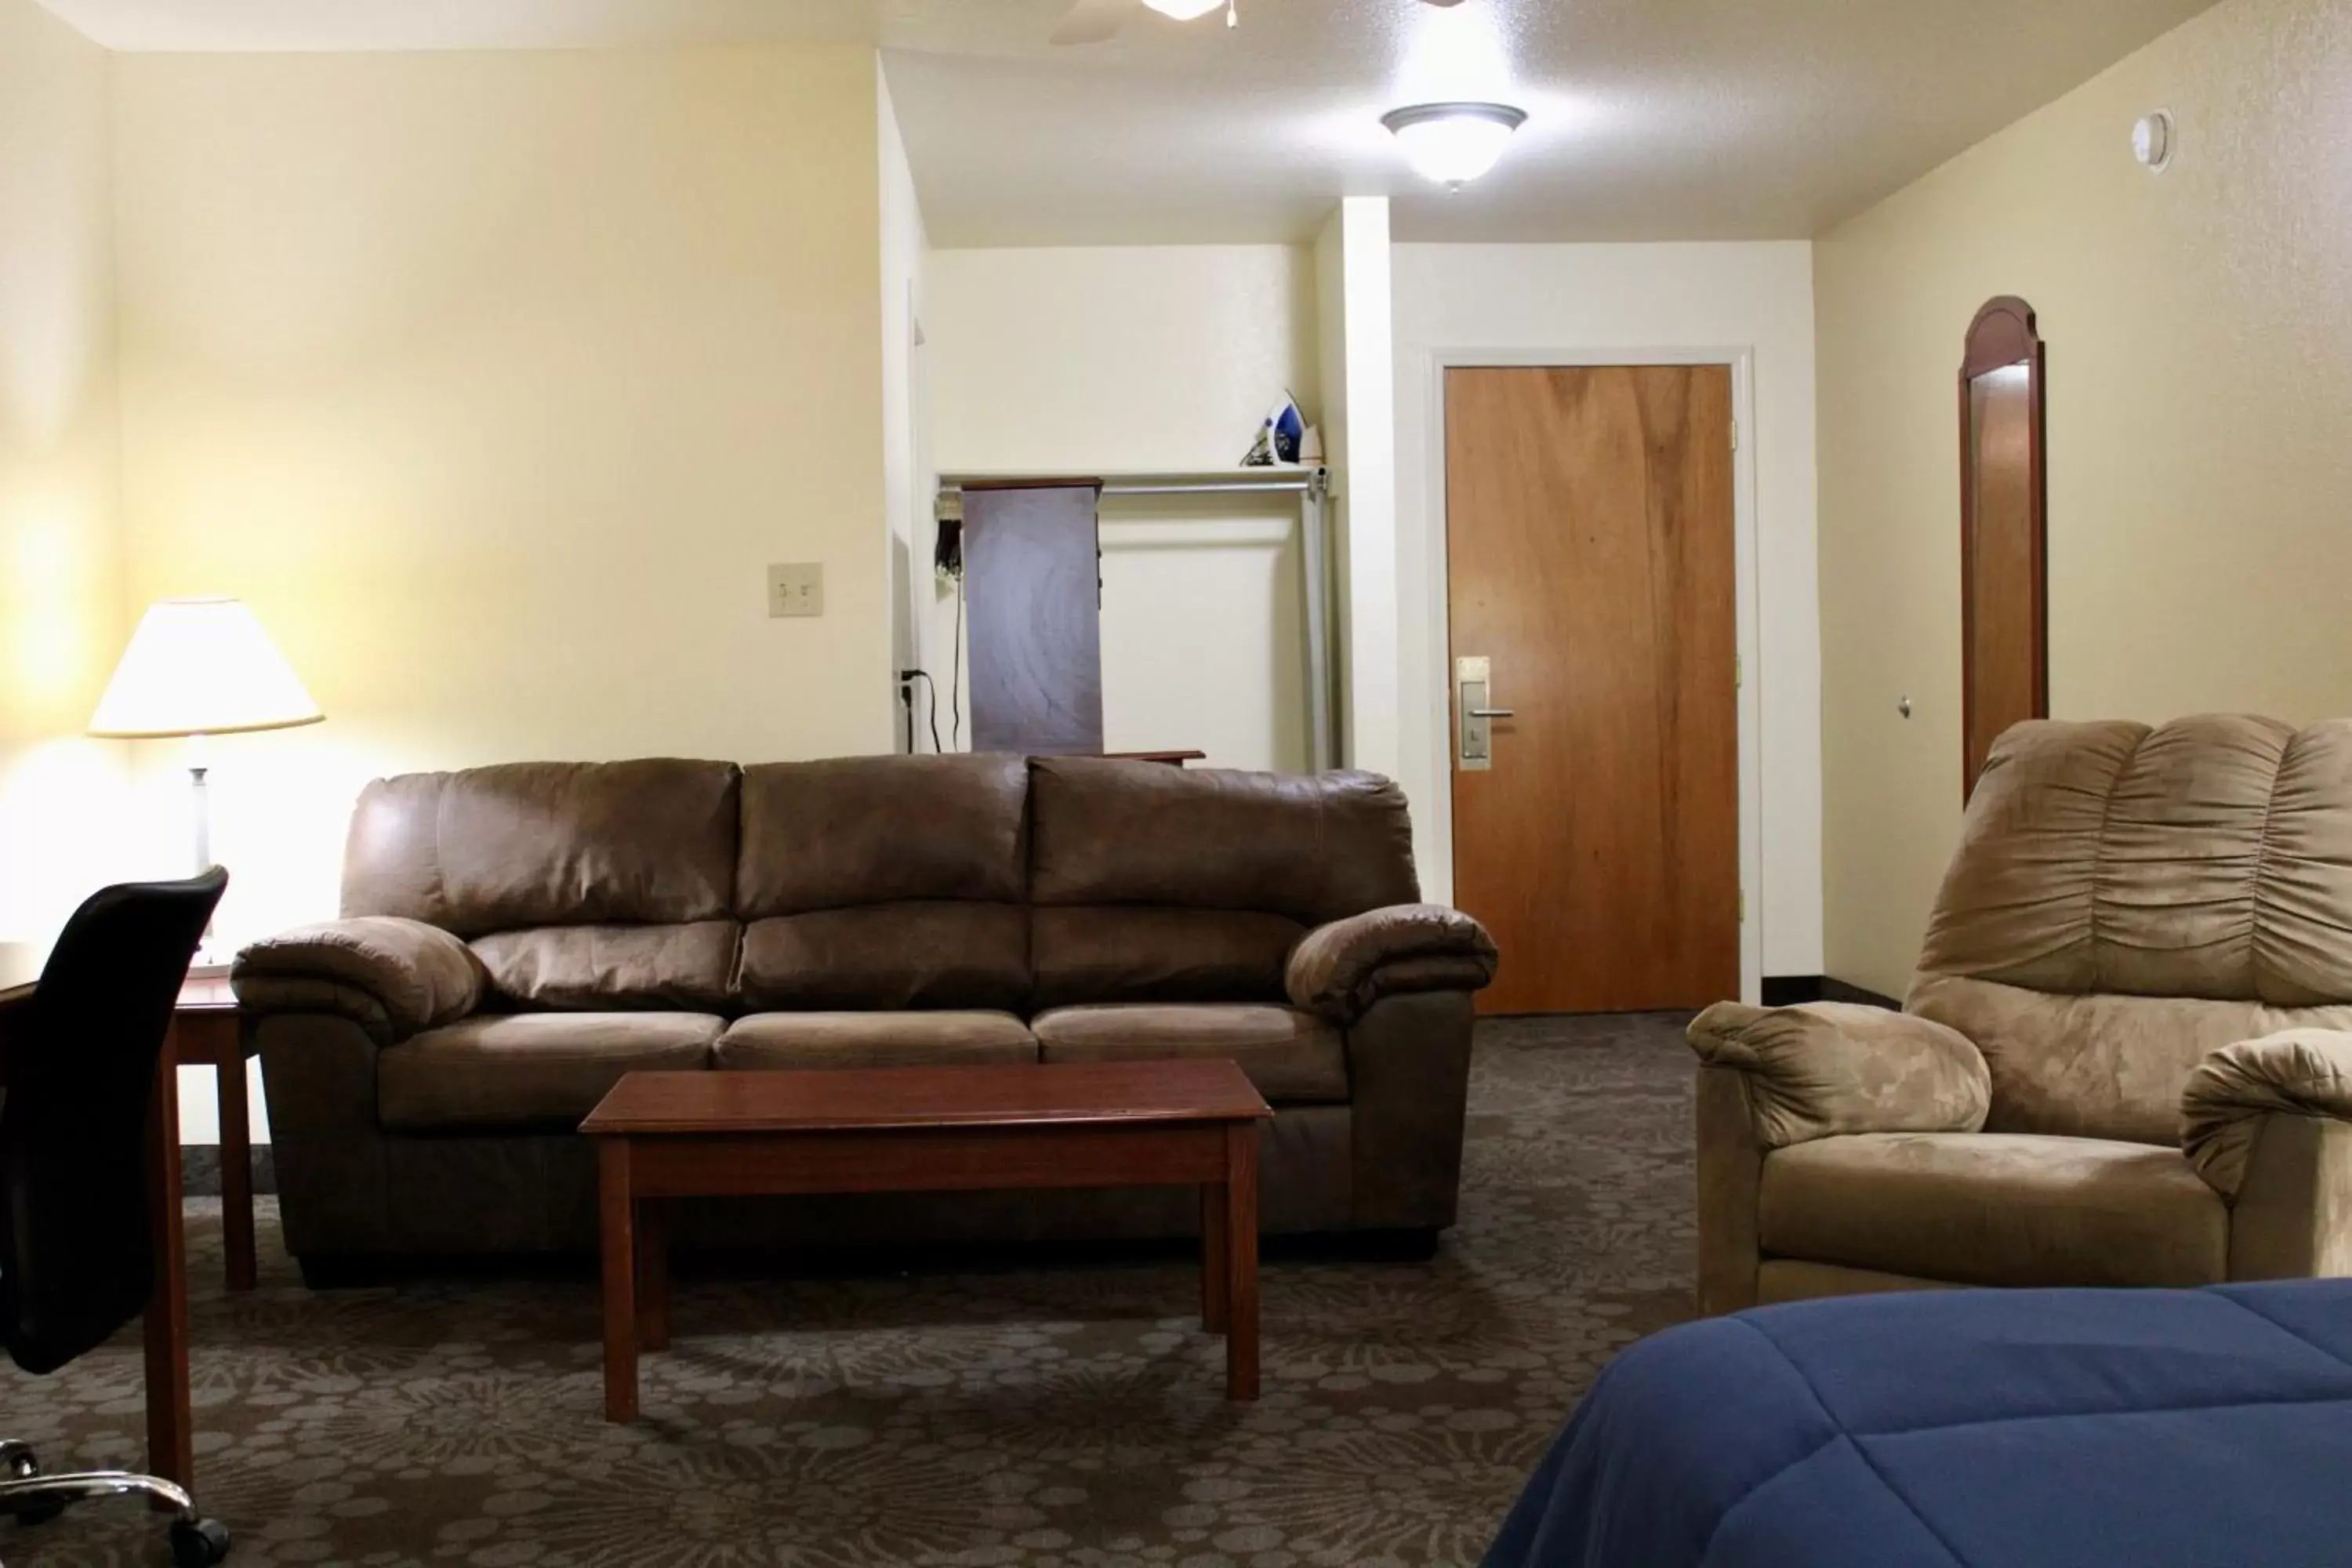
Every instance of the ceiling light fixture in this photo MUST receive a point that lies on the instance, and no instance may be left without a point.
(1453, 144)
(1183, 10)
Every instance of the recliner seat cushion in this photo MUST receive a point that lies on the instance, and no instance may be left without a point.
(765, 1041)
(1991, 1208)
(2098, 1065)
(529, 1069)
(1293, 1057)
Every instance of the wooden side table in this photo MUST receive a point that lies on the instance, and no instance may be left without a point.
(209, 1031)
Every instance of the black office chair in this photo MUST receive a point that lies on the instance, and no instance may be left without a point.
(77, 1258)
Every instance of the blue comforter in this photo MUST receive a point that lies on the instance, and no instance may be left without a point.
(1993, 1429)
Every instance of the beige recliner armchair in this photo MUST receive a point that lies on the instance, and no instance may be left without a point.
(2125, 1058)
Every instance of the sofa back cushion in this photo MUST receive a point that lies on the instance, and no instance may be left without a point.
(2125, 898)
(1153, 883)
(586, 885)
(541, 844)
(883, 882)
(849, 831)
(599, 968)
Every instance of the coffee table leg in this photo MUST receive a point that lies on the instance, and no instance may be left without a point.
(1240, 1250)
(616, 1206)
(235, 1171)
(653, 1274)
(1215, 1268)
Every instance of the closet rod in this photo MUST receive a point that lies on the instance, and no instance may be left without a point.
(1278, 481)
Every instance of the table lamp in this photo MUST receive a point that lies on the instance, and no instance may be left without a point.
(198, 667)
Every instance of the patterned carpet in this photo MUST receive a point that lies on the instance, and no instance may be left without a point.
(1056, 1416)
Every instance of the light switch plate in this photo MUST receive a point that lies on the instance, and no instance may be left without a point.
(797, 589)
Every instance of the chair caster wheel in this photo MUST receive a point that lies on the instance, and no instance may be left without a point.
(199, 1544)
(19, 1463)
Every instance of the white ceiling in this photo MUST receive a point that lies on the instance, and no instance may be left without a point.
(1647, 119)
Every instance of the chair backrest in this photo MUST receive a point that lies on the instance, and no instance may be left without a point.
(77, 1258)
(2125, 900)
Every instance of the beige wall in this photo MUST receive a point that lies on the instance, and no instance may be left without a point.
(1124, 359)
(61, 619)
(2200, 324)
(493, 381)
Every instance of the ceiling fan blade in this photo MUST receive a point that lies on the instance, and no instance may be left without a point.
(1092, 21)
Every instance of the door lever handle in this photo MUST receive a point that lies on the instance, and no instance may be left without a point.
(1473, 686)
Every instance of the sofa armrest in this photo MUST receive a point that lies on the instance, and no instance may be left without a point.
(391, 976)
(2297, 1072)
(1338, 971)
(1828, 1067)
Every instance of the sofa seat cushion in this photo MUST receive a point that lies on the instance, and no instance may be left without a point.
(1995, 1208)
(529, 1069)
(771, 1040)
(1293, 1057)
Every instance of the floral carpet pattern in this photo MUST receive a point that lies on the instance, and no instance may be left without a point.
(1056, 1414)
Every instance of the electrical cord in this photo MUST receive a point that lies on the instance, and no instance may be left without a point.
(932, 687)
(955, 682)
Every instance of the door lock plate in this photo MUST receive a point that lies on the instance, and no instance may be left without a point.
(1473, 726)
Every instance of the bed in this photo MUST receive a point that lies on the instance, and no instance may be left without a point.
(1991, 1429)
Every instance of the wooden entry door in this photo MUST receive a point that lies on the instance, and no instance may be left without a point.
(1588, 552)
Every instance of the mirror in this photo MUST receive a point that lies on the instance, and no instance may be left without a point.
(2004, 610)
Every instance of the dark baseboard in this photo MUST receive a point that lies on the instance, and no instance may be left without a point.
(199, 1170)
(1788, 990)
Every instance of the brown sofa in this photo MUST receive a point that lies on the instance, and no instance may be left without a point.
(516, 938)
(2125, 1059)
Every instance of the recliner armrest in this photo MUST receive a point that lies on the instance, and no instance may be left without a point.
(392, 976)
(1822, 1069)
(1338, 971)
(2299, 1072)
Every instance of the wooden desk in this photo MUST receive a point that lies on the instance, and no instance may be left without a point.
(170, 1427)
(1173, 759)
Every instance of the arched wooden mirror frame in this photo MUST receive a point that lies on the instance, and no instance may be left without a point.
(2005, 581)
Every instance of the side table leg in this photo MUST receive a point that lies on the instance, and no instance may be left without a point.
(171, 1449)
(235, 1171)
(1216, 1267)
(1241, 1247)
(615, 1210)
(653, 1274)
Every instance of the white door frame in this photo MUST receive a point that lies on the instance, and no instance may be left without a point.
(1434, 679)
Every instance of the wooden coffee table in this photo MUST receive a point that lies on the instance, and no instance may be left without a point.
(667, 1135)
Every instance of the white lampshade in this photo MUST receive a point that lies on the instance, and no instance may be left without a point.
(1453, 144)
(201, 666)
(1183, 10)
